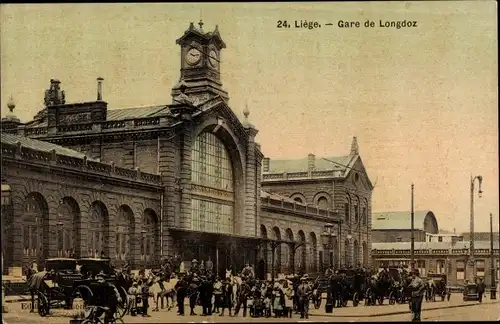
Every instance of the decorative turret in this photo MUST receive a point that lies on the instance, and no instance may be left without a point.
(10, 121)
(354, 146)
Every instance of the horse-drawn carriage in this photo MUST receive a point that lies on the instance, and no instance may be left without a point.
(91, 267)
(436, 286)
(58, 285)
(353, 286)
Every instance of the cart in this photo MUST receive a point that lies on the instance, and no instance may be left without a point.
(470, 292)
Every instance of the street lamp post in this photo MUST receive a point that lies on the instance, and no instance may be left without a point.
(412, 239)
(327, 239)
(143, 245)
(349, 239)
(472, 262)
(493, 288)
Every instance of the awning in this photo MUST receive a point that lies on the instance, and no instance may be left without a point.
(192, 234)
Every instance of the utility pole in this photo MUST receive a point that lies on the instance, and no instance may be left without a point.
(412, 232)
(493, 288)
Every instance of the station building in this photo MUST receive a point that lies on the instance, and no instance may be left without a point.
(185, 178)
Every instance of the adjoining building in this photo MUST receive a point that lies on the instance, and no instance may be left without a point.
(434, 251)
(184, 178)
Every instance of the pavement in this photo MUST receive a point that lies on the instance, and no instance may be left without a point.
(18, 312)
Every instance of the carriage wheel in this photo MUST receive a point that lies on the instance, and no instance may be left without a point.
(122, 308)
(392, 298)
(43, 305)
(85, 294)
(368, 296)
(355, 299)
(317, 303)
(381, 300)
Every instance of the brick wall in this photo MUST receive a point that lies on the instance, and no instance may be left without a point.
(146, 155)
(122, 154)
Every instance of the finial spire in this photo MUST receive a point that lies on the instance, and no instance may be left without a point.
(11, 104)
(354, 146)
(246, 111)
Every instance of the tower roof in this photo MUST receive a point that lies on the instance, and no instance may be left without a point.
(199, 33)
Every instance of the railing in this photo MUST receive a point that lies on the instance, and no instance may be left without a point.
(82, 164)
(35, 131)
(456, 252)
(74, 128)
(301, 175)
(297, 208)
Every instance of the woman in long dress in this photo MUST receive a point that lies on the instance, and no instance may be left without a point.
(278, 302)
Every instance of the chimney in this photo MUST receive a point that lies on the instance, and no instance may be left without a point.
(99, 88)
(265, 164)
(311, 163)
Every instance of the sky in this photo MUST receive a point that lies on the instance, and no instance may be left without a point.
(422, 101)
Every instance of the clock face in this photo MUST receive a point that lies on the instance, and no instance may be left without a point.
(213, 59)
(193, 56)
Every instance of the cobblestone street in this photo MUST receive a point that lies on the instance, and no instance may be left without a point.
(456, 309)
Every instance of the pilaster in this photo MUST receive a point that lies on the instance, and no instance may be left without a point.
(250, 223)
(185, 175)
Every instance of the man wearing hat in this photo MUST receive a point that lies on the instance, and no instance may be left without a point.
(106, 295)
(417, 287)
(303, 293)
(193, 293)
(195, 267)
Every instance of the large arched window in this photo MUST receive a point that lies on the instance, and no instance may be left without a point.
(212, 206)
(322, 203)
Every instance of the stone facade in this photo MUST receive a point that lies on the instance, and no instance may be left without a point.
(134, 169)
(347, 192)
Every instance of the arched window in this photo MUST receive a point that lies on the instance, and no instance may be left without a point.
(347, 212)
(149, 235)
(97, 228)
(323, 203)
(365, 216)
(32, 229)
(356, 212)
(124, 233)
(298, 199)
(65, 229)
(212, 205)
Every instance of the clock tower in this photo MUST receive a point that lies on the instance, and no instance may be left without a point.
(200, 64)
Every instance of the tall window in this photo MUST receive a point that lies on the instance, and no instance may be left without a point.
(97, 227)
(124, 233)
(356, 213)
(148, 236)
(346, 212)
(32, 228)
(460, 269)
(441, 267)
(65, 229)
(212, 206)
(421, 267)
(365, 217)
(480, 265)
(346, 253)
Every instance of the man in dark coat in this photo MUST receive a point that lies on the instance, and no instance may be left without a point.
(481, 287)
(181, 287)
(227, 297)
(242, 298)
(206, 291)
(193, 292)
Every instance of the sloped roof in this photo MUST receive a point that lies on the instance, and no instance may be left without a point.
(137, 112)
(301, 165)
(432, 245)
(400, 220)
(37, 145)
